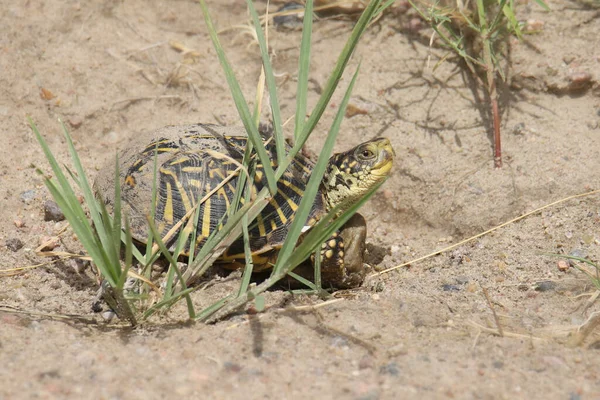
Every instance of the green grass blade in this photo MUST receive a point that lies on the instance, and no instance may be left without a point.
(543, 4)
(141, 258)
(208, 311)
(218, 242)
(304, 281)
(70, 196)
(247, 251)
(184, 234)
(240, 102)
(68, 202)
(165, 252)
(318, 283)
(128, 253)
(167, 303)
(150, 238)
(84, 233)
(383, 7)
(102, 228)
(318, 234)
(303, 70)
(338, 70)
(271, 86)
(116, 222)
(323, 231)
(313, 185)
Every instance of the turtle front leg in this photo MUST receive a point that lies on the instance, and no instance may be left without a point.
(343, 255)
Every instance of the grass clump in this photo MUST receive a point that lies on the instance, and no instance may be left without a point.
(105, 240)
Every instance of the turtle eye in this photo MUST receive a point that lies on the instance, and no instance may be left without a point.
(365, 153)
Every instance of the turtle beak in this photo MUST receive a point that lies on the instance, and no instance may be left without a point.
(385, 157)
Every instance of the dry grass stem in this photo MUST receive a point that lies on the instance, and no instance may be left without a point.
(435, 253)
(496, 319)
(505, 334)
(310, 307)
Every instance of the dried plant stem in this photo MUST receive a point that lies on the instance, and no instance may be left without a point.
(490, 71)
(496, 319)
(491, 331)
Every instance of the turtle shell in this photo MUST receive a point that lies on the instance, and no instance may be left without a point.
(202, 162)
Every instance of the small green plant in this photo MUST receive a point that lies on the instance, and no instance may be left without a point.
(477, 32)
(103, 240)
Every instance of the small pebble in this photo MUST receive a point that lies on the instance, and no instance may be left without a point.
(450, 288)
(378, 287)
(563, 265)
(579, 253)
(108, 315)
(19, 223)
(519, 129)
(545, 286)
(595, 345)
(471, 287)
(52, 211)
(75, 122)
(390, 369)
(533, 26)
(579, 80)
(78, 264)
(49, 243)
(354, 109)
(46, 94)
(14, 244)
(231, 366)
(414, 25)
(97, 306)
(367, 361)
(340, 342)
(290, 21)
(27, 196)
(388, 194)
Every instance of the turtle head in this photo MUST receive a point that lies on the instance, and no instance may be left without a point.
(350, 175)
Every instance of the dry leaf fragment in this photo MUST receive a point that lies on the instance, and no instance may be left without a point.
(45, 94)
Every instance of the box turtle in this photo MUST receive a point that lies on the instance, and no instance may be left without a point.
(194, 161)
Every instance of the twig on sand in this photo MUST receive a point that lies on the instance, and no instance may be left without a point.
(496, 319)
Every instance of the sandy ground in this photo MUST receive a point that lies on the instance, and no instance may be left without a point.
(107, 69)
